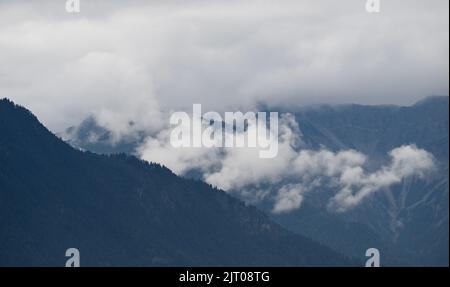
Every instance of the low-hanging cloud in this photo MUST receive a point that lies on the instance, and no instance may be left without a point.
(355, 184)
(242, 171)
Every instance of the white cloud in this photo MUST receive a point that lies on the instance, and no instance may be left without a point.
(289, 198)
(344, 171)
(297, 170)
(406, 161)
(180, 160)
(241, 167)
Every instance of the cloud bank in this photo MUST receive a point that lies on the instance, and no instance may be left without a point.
(242, 171)
(127, 61)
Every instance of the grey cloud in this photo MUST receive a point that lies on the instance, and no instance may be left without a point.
(114, 58)
(138, 61)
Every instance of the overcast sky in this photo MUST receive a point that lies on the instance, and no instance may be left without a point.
(130, 61)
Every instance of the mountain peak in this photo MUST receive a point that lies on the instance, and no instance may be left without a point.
(11, 111)
(7, 103)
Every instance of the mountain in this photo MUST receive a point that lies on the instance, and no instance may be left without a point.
(408, 223)
(89, 135)
(121, 211)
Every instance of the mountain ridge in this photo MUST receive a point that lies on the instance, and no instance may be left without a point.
(121, 211)
(389, 219)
